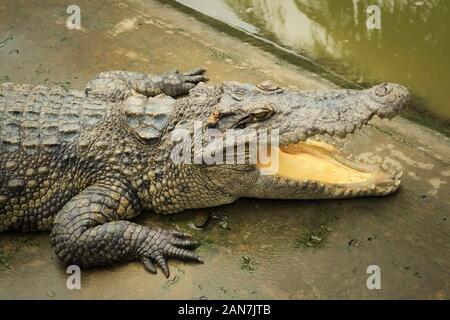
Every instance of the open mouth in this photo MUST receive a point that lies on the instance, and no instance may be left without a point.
(303, 163)
(321, 164)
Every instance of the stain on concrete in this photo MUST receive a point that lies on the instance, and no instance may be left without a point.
(125, 25)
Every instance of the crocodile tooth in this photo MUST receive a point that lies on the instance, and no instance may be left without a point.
(301, 136)
(341, 133)
(349, 128)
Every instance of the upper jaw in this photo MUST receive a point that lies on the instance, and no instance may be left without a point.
(336, 113)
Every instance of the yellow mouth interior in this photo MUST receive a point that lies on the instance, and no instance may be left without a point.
(310, 160)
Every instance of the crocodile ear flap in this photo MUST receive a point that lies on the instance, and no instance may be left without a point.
(147, 117)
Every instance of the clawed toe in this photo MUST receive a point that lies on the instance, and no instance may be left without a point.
(196, 79)
(149, 265)
(195, 72)
(196, 76)
(180, 234)
(185, 243)
(183, 254)
(161, 261)
(175, 245)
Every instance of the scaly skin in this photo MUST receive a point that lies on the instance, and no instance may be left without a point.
(81, 164)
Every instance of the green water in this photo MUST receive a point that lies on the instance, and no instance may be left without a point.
(412, 47)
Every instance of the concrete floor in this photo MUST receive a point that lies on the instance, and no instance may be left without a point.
(264, 253)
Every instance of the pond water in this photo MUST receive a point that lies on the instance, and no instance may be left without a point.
(412, 46)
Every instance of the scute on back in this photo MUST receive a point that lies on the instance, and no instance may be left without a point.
(37, 118)
(147, 117)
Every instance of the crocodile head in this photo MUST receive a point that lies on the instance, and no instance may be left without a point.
(301, 164)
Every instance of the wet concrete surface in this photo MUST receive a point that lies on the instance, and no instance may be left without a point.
(261, 249)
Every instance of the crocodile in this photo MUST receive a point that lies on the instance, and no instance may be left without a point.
(83, 163)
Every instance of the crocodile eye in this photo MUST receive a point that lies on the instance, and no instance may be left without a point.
(382, 91)
(261, 114)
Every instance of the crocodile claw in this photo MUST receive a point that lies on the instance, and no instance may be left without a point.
(195, 76)
(195, 72)
(175, 83)
(163, 244)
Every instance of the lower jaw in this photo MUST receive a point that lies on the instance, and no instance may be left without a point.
(319, 169)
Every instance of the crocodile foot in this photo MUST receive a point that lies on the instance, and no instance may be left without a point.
(176, 83)
(163, 244)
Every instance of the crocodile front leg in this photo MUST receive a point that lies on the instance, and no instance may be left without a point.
(90, 230)
(119, 85)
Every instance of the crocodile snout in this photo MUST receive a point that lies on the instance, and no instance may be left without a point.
(389, 99)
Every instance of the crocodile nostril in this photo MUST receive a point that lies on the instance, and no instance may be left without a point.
(383, 90)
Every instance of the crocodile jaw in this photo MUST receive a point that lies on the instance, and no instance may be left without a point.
(296, 117)
(314, 169)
